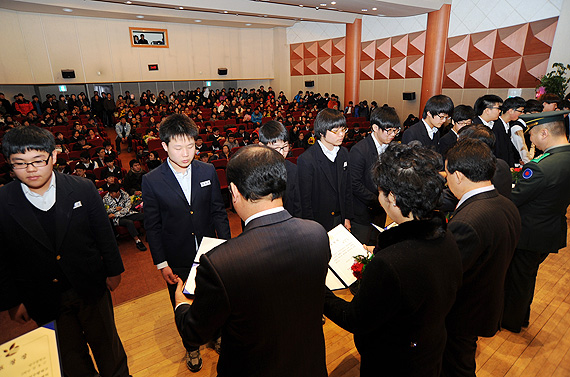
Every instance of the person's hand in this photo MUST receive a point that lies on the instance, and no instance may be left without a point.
(347, 224)
(19, 314)
(179, 296)
(138, 193)
(370, 249)
(111, 215)
(118, 208)
(168, 275)
(113, 282)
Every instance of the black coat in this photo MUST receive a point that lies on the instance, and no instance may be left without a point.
(418, 132)
(169, 220)
(504, 148)
(32, 268)
(265, 290)
(365, 203)
(486, 228)
(398, 314)
(319, 192)
(291, 200)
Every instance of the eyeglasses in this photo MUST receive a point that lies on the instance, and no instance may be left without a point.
(339, 131)
(280, 149)
(392, 131)
(444, 117)
(35, 164)
(519, 111)
(464, 123)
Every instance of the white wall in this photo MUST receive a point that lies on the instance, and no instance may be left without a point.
(39, 46)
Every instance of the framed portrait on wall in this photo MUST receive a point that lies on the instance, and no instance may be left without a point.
(147, 37)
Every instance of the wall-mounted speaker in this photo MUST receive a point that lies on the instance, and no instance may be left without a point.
(68, 73)
(309, 84)
(222, 71)
(409, 96)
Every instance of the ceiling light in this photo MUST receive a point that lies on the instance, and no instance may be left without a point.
(365, 10)
(333, 2)
(301, 5)
(226, 11)
(181, 8)
(140, 16)
(67, 10)
(374, 8)
(247, 24)
(197, 20)
(128, 2)
(323, 5)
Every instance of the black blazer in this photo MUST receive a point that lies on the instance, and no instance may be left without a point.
(265, 290)
(504, 148)
(169, 220)
(398, 314)
(291, 200)
(319, 193)
(486, 228)
(446, 142)
(418, 132)
(32, 268)
(361, 158)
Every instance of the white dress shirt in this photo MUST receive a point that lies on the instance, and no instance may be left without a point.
(431, 131)
(474, 192)
(331, 155)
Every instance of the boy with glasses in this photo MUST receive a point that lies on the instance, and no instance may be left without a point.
(385, 127)
(504, 148)
(275, 136)
(436, 112)
(59, 259)
(462, 116)
(324, 174)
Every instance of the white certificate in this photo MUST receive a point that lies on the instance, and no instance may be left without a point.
(344, 247)
(207, 244)
(32, 354)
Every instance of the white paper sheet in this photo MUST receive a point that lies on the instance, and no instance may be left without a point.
(344, 247)
(207, 244)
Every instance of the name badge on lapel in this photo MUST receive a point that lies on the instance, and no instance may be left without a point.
(205, 183)
(77, 204)
(345, 165)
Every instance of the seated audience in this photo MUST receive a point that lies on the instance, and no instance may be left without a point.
(118, 204)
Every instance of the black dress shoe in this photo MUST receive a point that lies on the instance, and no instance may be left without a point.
(194, 361)
(511, 329)
(140, 246)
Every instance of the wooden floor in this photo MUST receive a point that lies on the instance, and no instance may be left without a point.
(543, 349)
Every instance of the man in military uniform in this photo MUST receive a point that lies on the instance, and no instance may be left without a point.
(542, 197)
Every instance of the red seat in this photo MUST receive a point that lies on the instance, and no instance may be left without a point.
(154, 144)
(292, 159)
(297, 151)
(220, 164)
(222, 178)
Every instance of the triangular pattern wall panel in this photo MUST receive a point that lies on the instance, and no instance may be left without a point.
(510, 57)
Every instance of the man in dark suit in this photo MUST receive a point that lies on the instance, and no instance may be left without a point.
(362, 157)
(182, 204)
(511, 109)
(324, 175)
(542, 197)
(436, 111)
(486, 227)
(264, 289)
(487, 110)
(59, 258)
(275, 136)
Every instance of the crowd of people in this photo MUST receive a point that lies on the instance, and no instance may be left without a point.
(461, 262)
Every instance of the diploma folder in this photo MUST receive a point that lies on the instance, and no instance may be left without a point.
(206, 245)
(344, 247)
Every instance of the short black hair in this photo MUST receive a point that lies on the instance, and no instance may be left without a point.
(479, 132)
(177, 125)
(473, 158)
(108, 159)
(438, 104)
(27, 138)
(273, 131)
(114, 187)
(462, 112)
(549, 98)
(385, 118)
(328, 119)
(411, 174)
(134, 161)
(485, 102)
(85, 154)
(257, 171)
(533, 106)
(512, 103)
